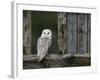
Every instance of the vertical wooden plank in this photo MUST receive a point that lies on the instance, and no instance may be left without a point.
(82, 33)
(62, 31)
(27, 32)
(89, 32)
(85, 34)
(72, 32)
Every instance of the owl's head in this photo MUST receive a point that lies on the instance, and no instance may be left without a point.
(46, 33)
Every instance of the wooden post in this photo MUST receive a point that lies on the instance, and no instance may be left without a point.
(72, 32)
(82, 33)
(27, 32)
(62, 32)
(89, 33)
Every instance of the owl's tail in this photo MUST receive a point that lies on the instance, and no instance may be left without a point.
(40, 58)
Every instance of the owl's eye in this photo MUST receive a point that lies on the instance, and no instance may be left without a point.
(44, 33)
(48, 33)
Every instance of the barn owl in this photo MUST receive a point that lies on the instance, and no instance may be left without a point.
(43, 44)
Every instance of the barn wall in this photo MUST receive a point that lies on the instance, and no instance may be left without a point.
(78, 35)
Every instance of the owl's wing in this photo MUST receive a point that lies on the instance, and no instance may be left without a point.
(42, 48)
(49, 43)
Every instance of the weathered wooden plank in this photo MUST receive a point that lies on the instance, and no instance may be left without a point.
(67, 62)
(72, 32)
(54, 56)
(82, 33)
(62, 32)
(85, 34)
(27, 32)
(89, 33)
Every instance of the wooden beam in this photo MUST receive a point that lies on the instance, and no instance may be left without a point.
(27, 33)
(62, 32)
(54, 56)
(71, 32)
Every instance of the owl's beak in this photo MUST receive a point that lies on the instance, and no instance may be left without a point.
(46, 38)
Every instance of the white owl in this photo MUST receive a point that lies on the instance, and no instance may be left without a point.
(43, 44)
